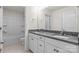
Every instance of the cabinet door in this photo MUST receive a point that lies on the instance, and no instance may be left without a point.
(49, 48)
(31, 42)
(35, 44)
(69, 19)
(53, 49)
(59, 50)
(40, 46)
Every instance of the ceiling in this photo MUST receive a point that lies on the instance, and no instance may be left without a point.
(52, 8)
(21, 8)
(15, 8)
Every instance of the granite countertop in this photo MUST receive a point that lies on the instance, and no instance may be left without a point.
(69, 39)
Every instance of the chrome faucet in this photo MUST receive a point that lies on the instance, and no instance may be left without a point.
(62, 32)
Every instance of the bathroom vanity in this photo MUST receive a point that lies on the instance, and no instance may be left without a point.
(44, 41)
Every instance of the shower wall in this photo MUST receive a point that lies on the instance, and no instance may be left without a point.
(1, 13)
(13, 26)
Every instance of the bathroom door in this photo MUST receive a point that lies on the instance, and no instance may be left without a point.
(13, 27)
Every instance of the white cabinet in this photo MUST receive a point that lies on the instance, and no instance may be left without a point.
(62, 46)
(52, 49)
(70, 19)
(59, 50)
(49, 48)
(31, 42)
(35, 44)
(40, 46)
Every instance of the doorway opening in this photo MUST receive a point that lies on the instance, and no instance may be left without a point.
(13, 29)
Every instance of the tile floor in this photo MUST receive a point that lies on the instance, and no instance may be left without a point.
(15, 48)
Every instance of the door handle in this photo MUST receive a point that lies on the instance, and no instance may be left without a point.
(40, 45)
(0, 28)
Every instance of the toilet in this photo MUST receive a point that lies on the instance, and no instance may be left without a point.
(22, 41)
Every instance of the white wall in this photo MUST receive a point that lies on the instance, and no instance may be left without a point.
(70, 19)
(28, 18)
(30, 22)
(34, 20)
(1, 21)
(56, 21)
(15, 26)
(65, 19)
(78, 19)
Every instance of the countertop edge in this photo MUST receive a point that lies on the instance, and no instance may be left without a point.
(55, 38)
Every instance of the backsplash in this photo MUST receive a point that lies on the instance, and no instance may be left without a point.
(71, 33)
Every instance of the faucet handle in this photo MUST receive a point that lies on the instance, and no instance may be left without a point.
(62, 32)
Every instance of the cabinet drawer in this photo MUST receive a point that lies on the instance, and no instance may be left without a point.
(49, 48)
(40, 46)
(41, 38)
(35, 45)
(31, 35)
(40, 51)
(53, 49)
(58, 50)
(63, 45)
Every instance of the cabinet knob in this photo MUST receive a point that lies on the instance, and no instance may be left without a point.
(40, 45)
(56, 50)
(32, 39)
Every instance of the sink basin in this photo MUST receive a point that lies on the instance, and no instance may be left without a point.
(62, 37)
